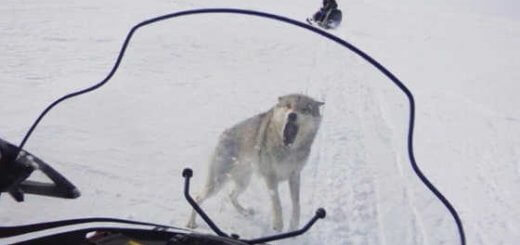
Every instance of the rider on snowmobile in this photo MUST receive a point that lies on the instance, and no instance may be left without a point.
(328, 5)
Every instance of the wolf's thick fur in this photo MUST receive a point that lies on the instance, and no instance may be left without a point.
(276, 144)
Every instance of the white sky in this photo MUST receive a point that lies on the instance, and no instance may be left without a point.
(506, 8)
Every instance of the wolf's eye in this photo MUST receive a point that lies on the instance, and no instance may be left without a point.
(288, 106)
(306, 110)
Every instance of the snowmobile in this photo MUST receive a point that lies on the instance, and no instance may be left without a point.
(328, 17)
(17, 165)
(331, 19)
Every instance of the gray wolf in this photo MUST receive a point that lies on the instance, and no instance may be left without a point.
(276, 144)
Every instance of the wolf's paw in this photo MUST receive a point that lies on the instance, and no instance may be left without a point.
(278, 226)
(192, 225)
(293, 226)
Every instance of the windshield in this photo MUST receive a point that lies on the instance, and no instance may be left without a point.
(184, 82)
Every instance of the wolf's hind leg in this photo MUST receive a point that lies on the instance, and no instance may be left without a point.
(241, 182)
(213, 185)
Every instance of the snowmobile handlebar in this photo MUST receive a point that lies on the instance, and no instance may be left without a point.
(320, 214)
(187, 173)
(17, 165)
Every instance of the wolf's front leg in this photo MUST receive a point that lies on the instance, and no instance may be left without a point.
(272, 185)
(294, 187)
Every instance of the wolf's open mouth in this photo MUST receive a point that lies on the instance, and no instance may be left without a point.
(289, 133)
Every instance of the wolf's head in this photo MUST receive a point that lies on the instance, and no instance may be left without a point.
(297, 118)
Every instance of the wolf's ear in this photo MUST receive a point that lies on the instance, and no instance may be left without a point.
(319, 103)
(280, 99)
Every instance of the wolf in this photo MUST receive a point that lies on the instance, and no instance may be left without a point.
(275, 144)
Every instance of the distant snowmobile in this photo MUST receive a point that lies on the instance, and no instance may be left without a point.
(328, 17)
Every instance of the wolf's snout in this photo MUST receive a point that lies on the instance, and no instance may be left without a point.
(292, 117)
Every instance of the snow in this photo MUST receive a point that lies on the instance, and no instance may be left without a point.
(184, 81)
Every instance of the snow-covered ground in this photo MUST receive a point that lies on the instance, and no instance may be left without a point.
(185, 80)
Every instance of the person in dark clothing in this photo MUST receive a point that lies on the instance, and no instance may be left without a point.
(328, 5)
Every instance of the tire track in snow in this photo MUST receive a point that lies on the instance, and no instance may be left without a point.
(392, 199)
(343, 167)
